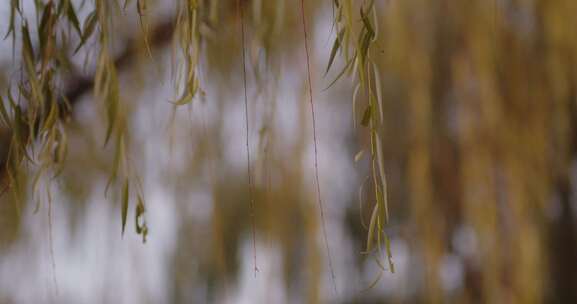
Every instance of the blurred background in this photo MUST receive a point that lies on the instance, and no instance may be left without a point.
(477, 135)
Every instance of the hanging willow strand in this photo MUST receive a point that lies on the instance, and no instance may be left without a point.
(366, 74)
(246, 120)
(318, 187)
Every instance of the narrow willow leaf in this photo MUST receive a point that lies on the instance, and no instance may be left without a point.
(192, 86)
(112, 110)
(73, 18)
(336, 47)
(14, 7)
(382, 209)
(144, 233)
(365, 43)
(355, 72)
(379, 91)
(355, 95)
(376, 21)
(341, 73)
(185, 99)
(125, 195)
(367, 116)
(366, 37)
(379, 242)
(389, 253)
(372, 226)
(27, 49)
(360, 194)
(359, 155)
(28, 58)
(112, 103)
(141, 7)
(4, 118)
(52, 116)
(380, 162)
(60, 153)
(19, 135)
(18, 125)
(367, 23)
(44, 28)
(87, 29)
(118, 157)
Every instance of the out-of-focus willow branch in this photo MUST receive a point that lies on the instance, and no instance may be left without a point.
(160, 34)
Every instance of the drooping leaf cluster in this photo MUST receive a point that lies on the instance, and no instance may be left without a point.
(61, 32)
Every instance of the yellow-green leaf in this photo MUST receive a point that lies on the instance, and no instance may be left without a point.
(87, 29)
(125, 196)
(341, 73)
(367, 116)
(336, 47)
(372, 226)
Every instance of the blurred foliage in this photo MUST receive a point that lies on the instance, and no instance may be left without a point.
(463, 120)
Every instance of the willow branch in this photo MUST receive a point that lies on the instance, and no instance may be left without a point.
(160, 36)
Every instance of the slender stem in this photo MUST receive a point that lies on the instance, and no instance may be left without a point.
(246, 119)
(319, 199)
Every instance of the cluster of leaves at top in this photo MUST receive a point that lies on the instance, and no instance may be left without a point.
(35, 112)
